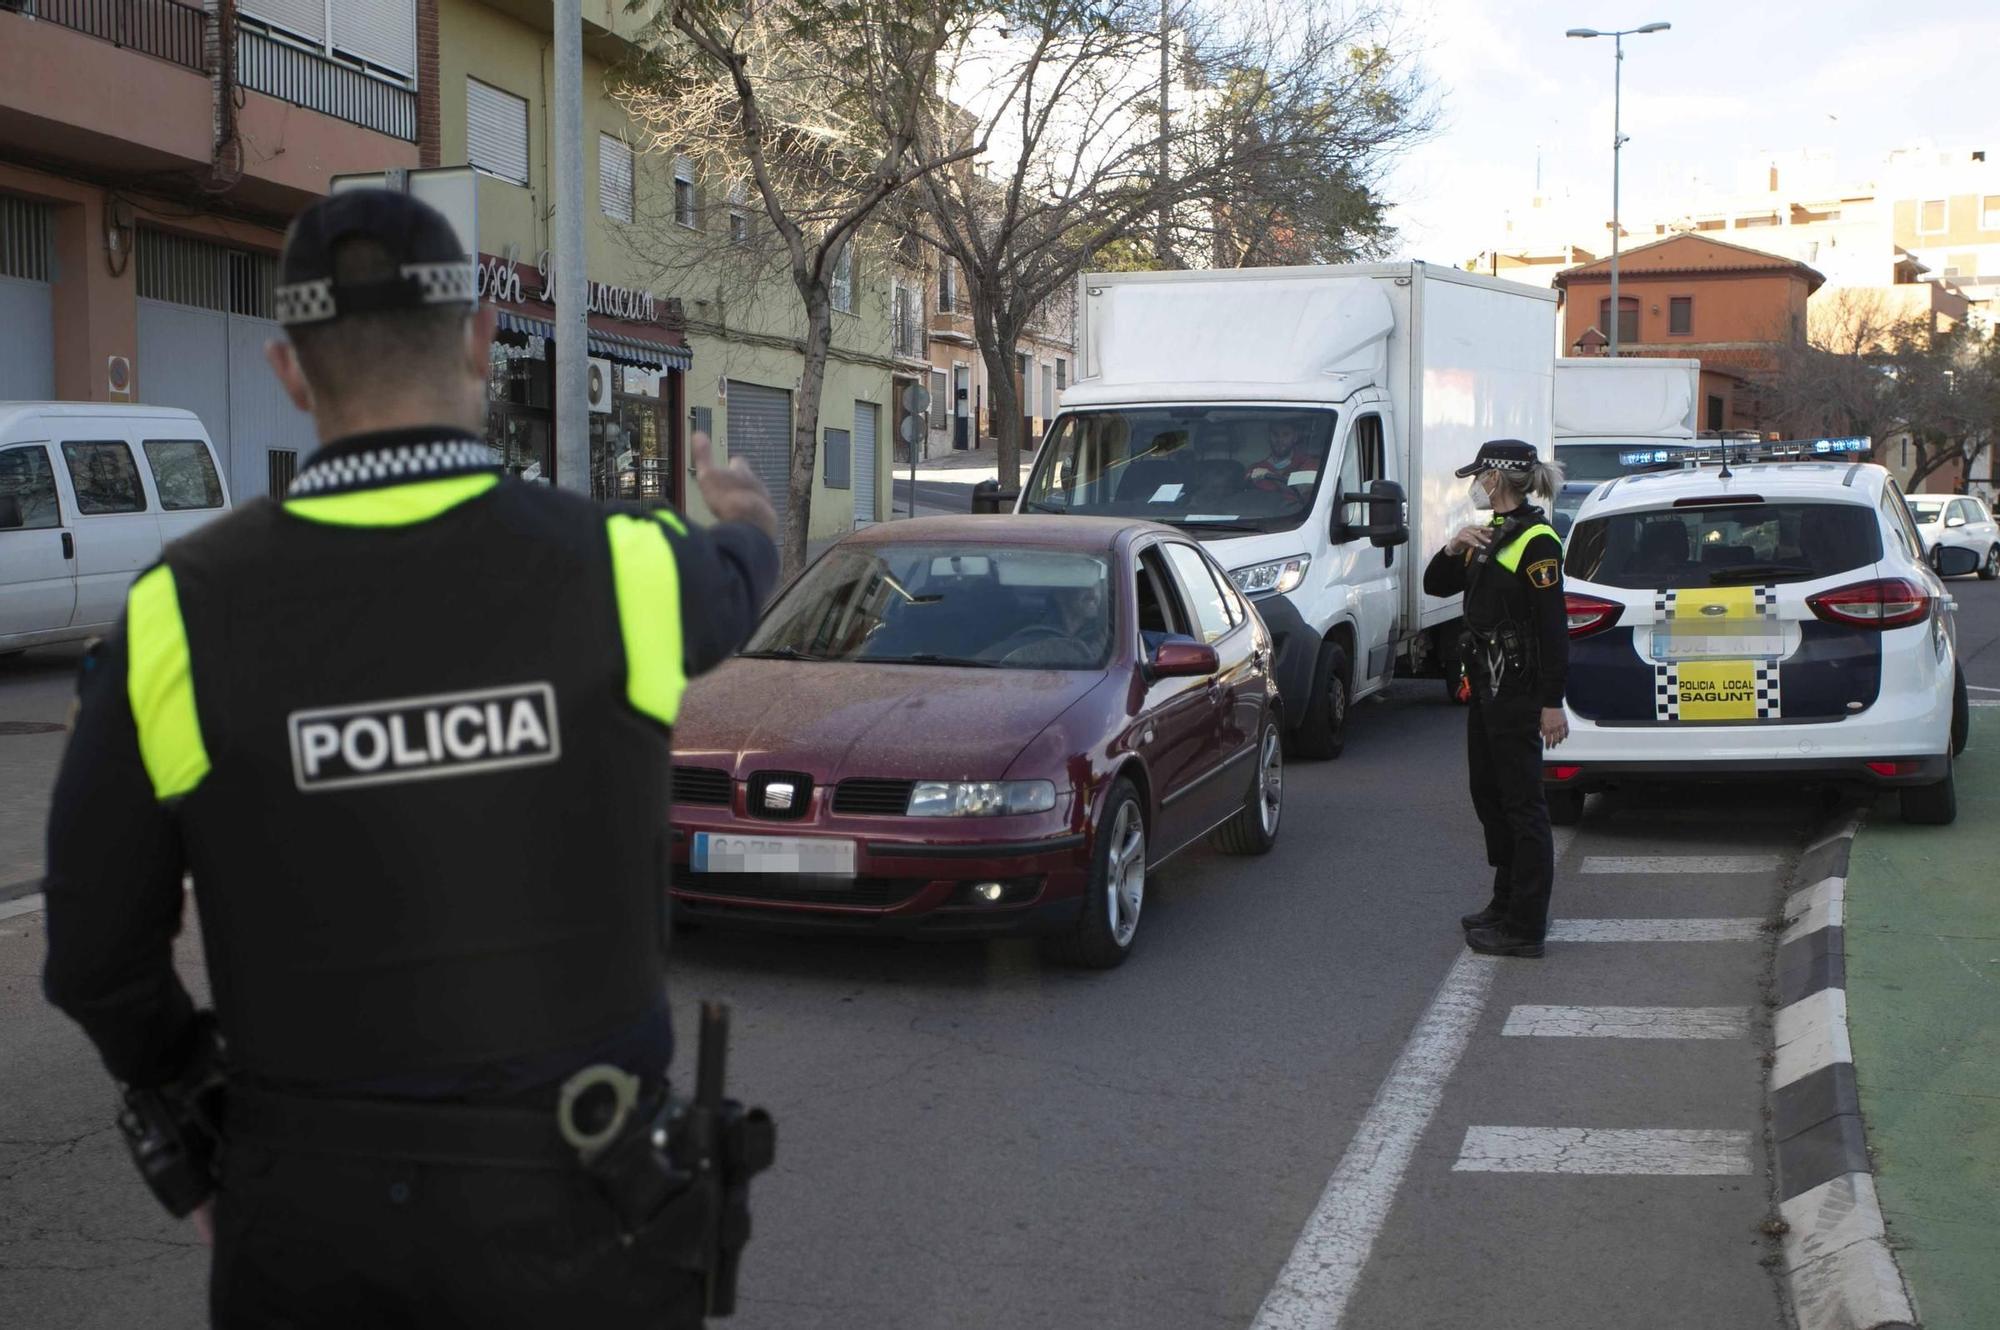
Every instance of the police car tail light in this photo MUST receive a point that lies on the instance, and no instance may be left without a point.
(1889, 602)
(1588, 614)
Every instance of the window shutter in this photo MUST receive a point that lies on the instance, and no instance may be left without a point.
(496, 131)
(614, 177)
(301, 18)
(382, 32)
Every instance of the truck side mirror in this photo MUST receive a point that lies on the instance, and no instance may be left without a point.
(1387, 525)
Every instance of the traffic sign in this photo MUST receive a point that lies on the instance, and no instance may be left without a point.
(916, 399)
(911, 429)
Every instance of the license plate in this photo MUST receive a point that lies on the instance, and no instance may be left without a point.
(723, 852)
(1725, 640)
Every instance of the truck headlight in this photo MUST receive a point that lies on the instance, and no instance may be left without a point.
(981, 798)
(1279, 575)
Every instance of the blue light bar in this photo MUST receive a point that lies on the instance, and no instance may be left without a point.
(1650, 456)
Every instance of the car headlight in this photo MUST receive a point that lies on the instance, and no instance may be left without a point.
(1279, 575)
(981, 798)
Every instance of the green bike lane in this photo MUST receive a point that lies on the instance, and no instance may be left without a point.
(1923, 999)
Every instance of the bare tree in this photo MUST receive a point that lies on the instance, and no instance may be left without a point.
(1283, 113)
(814, 112)
(1947, 393)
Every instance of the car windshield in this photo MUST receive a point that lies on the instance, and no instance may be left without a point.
(1221, 468)
(1926, 510)
(1736, 543)
(973, 606)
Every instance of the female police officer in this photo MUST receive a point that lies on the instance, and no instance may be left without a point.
(1515, 654)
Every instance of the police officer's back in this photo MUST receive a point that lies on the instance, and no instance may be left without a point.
(1515, 655)
(409, 731)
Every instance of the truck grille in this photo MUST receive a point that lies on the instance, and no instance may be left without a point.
(701, 785)
(865, 797)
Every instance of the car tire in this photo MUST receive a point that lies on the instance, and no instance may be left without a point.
(1990, 570)
(1107, 928)
(1961, 712)
(1565, 807)
(1933, 805)
(1254, 829)
(1322, 731)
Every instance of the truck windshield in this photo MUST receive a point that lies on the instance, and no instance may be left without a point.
(1230, 468)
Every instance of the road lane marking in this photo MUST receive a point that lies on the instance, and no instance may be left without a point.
(1656, 930)
(1628, 1022)
(25, 905)
(1692, 864)
(1983, 688)
(1603, 1151)
(1313, 1289)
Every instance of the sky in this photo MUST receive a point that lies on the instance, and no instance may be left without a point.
(1731, 80)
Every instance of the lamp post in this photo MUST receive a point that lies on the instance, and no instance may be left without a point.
(1617, 142)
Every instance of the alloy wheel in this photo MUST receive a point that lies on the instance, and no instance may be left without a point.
(1271, 783)
(1125, 874)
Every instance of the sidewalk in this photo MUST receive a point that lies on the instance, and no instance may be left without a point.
(1923, 995)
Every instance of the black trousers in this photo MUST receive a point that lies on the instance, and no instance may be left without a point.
(307, 1240)
(1503, 750)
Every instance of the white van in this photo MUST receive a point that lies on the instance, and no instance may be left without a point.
(89, 494)
(1305, 424)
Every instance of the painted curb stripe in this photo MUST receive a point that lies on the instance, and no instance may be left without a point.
(1822, 1152)
(1809, 1035)
(1811, 1100)
(1837, 1255)
(25, 905)
(1827, 860)
(1810, 964)
(1813, 909)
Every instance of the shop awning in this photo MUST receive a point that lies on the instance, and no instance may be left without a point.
(615, 347)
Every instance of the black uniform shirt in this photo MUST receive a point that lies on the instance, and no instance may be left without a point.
(117, 854)
(1530, 597)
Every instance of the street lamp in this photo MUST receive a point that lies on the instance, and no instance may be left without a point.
(1617, 142)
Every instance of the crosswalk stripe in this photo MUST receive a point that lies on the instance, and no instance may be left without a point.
(1604, 1151)
(1629, 1022)
(1692, 864)
(1656, 930)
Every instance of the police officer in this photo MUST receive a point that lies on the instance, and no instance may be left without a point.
(1515, 655)
(408, 730)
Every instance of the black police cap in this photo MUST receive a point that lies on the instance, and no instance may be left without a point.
(1510, 455)
(432, 268)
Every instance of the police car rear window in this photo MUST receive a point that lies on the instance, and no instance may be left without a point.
(1725, 544)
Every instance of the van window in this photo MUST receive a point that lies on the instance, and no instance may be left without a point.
(28, 489)
(106, 478)
(183, 474)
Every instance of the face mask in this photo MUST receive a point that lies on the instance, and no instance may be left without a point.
(1480, 498)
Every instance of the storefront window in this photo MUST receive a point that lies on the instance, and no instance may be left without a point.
(520, 422)
(631, 449)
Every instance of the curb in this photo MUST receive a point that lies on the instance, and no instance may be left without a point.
(1836, 1252)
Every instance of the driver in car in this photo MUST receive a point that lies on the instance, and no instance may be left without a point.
(1289, 457)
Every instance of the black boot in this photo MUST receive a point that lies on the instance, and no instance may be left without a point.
(1485, 918)
(1500, 942)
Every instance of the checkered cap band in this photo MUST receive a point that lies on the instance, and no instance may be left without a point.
(455, 282)
(409, 461)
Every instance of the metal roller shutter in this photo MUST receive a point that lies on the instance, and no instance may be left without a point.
(496, 131)
(382, 32)
(27, 305)
(760, 432)
(867, 421)
(301, 18)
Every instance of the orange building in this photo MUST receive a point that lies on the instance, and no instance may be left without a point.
(1694, 295)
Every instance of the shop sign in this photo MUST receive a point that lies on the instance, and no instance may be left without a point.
(500, 279)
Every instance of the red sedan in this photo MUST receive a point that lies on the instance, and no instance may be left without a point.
(972, 725)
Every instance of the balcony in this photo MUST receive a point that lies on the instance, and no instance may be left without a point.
(167, 29)
(345, 89)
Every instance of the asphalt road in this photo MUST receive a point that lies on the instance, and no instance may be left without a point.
(1301, 1080)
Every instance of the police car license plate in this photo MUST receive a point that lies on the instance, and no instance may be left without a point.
(717, 852)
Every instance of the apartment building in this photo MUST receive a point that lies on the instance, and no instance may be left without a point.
(963, 414)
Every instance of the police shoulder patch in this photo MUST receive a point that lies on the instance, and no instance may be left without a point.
(1543, 573)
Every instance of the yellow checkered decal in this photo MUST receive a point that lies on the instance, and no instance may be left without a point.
(1743, 688)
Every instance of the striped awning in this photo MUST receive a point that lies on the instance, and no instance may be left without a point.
(615, 347)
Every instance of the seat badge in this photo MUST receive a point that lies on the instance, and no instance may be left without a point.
(779, 795)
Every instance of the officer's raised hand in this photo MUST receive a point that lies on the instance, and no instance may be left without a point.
(733, 492)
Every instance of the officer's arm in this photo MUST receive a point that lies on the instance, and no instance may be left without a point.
(727, 572)
(1541, 568)
(1445, 576)
(114, 888)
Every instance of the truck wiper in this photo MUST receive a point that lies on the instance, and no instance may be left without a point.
(1208, 524)
(1757, 572)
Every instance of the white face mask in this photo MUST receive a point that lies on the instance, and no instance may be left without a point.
(1481, 500)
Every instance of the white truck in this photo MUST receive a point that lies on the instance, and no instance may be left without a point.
(1304, 424)
(1617, 417)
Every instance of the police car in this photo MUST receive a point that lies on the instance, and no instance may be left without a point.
(1738, 619)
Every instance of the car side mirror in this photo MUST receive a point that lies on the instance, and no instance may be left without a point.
(1955, 561)
(1184, 658)
(1387, 525)
(1954, 521)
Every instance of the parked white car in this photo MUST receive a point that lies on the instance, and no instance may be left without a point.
(1957, 522)
(1774, 621)
(89, 495)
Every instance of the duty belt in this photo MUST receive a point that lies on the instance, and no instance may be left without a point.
(416, 1131)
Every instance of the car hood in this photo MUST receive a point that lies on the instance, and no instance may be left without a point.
(837, 719)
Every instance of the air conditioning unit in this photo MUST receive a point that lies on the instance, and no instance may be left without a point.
(600, 386)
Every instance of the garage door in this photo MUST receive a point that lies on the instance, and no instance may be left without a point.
(204, 317)
(760, 432)
(867, 427)
(27, 312)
